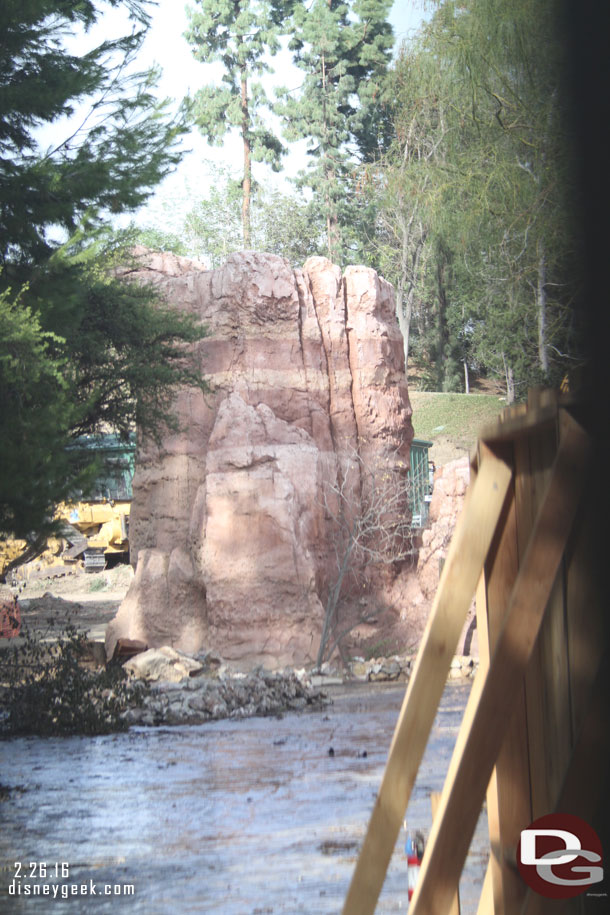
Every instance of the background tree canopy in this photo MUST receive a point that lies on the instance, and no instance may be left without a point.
(80, 350)
(447, 168)
(475, 220)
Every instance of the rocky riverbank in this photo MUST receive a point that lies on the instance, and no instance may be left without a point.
(200, 699)
(186, 689)
(180, 689)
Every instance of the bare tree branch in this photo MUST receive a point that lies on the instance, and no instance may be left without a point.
(368, 508)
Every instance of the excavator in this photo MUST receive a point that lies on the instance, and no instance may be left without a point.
(94, 530)
(97, 529)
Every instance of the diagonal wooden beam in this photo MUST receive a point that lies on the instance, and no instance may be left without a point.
(454, 908)
(469, 547)
(486, 899)
(493, 694)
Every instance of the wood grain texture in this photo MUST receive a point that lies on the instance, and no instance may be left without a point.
(461, 572)
(495, 692)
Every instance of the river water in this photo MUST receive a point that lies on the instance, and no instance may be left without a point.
(231, 817)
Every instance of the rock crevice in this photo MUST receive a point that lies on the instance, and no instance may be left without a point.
(233, 549)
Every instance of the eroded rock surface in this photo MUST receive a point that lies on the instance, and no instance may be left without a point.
(233, 546)
(450, 486)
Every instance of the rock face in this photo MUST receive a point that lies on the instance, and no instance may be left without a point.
(450, 485)
(234, 548)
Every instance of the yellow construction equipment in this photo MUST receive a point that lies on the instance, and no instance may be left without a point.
(96, 529)
(97, 532)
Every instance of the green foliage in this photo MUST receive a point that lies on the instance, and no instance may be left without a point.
(344, 50)
(158, 239)
(81, 350)
(126, 349)
(475, 228)
(109, 163)
(281, 223)
(34, 420)
(241, 36)
(213, 227)
(47, 691)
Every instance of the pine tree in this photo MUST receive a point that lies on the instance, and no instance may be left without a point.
(241, 34)
(80, 349)
(344, 49)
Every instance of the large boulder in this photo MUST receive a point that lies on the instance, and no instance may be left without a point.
(230, 529)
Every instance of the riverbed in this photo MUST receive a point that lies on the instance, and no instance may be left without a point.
(263, 815)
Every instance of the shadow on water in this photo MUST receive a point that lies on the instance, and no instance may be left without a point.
(232, 817)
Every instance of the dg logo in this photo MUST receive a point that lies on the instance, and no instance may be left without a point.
(560, 856)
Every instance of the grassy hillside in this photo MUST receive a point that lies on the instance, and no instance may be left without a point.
(452, 421)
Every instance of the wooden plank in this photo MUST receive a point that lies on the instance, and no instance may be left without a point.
(454, 908)
(508, 794)
(491, 901)
(461, 572)
(587, 617)
(486, 900)
(548, 704)
(547, 676)
(585, 779)
(585, 623)
(519, 425)
(493, 695)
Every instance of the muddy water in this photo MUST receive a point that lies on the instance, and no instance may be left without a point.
(234, 818)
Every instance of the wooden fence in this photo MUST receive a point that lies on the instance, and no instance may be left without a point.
(534, 737)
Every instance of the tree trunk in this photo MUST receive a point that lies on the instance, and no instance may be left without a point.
(509, 377)
(405, 291)
(332, 221)
(466, 379)
(543, 355)
(442, 339)
(333, 600)
(404, 322)
(403, 312)
(247, 180)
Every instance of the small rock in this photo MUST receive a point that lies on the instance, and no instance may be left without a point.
(360, 670)
(162, 664)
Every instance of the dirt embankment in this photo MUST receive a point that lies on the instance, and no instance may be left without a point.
(86, 600)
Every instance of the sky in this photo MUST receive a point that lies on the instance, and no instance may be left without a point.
(166, 46)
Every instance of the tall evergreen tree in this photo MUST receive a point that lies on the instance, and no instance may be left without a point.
(81, 351)
(344, 48)
(476, 212)
(240, 34)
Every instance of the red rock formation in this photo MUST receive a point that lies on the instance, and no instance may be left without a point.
(450, 485)
(228, 527)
